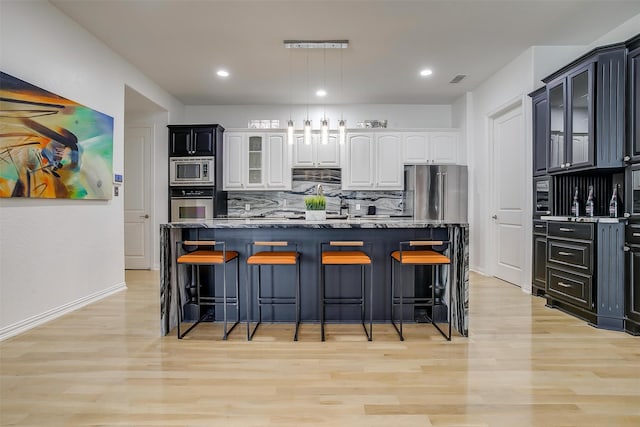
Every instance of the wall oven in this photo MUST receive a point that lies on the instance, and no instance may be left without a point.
(191, 171)
(191, 204)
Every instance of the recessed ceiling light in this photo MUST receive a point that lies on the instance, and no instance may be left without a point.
(321, 92)
(222, 73)
(426, 72)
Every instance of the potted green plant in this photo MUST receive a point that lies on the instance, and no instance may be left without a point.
(316, 208)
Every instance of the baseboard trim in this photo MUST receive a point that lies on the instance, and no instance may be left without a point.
(39, 319)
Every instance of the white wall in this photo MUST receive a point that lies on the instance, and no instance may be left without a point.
(513, 82)
(57, 255)
(510, 84)
(397, 116)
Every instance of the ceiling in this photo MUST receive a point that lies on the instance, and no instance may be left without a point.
(180, 44)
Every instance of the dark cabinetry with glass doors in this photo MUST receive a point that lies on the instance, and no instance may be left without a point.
(586, 102)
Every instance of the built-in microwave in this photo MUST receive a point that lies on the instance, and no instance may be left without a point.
(192, 171)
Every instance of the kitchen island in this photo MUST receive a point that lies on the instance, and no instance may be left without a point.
(383, 233)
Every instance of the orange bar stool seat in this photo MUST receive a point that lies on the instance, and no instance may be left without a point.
(208, 257)
(408, 255)
(341, 253)
(272, 258)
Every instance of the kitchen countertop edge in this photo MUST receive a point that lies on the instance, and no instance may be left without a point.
(290, 223)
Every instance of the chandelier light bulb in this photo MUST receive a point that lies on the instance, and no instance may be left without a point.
(324, 132)
(307, 132)
(342, 132)
(290, 132)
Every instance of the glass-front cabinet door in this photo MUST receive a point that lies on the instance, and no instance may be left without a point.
(557, 127)
(255, 147)
(581, 142)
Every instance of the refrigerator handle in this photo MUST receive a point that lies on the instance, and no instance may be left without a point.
(443, 176)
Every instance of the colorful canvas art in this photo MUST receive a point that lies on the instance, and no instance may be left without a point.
(51, 147)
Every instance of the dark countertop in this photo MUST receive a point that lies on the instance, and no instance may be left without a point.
(603, 219)
(359, 222)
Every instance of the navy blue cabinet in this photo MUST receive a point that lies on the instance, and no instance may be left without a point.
(586, 119)
(192, 141)
(633, 102)
(540, 115)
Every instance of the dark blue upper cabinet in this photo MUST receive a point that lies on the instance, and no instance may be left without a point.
(580, 143)
(633, 101)
(557, 150)
(586, 112)
(540, 115)
(610, 108)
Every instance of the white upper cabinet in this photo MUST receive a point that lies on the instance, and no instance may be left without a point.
(278, 168)
(233, 162)
(373, 161)
(389, 167)
(316, 154)
(256, 161)
(430, 147)
(444, 147)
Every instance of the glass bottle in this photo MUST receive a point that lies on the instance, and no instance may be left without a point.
(589, 207)
(613, 204)
(575, 205)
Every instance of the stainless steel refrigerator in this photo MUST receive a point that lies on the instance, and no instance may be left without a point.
(437, 193)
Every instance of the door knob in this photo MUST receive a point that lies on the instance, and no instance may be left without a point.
(495, 217)
(146, 216)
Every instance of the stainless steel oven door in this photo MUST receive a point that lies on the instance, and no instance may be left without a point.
(191, 209)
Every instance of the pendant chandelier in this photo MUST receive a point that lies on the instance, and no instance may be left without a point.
(324, 122)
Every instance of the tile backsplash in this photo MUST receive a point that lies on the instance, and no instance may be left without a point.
(304, 183)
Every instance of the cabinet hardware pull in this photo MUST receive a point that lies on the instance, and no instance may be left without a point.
(564, 253)
(539, 226)
(636, 234)
(564, 285)
(568, 230)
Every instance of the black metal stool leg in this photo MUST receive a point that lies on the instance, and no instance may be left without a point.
(295, 335)
(322, 301)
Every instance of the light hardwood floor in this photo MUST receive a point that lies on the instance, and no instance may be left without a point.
(523, 365)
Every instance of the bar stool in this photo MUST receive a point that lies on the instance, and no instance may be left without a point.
(209, 257)
(272, 258)
(406, 256)
(346, 257)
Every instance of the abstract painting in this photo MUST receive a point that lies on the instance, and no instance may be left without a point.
(51, 147)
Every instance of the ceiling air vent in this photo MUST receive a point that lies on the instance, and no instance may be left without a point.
(458, 78)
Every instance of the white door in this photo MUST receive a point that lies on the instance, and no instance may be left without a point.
(328, 155)
(416, 148)
(302, 153)
(278, 169)
(509, 184)
(389, 170)
(358, 170)
(137, 224)
(444, 147)
(233, 166)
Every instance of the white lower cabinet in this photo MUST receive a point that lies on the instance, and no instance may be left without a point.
(373, 161)
(255, 161)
